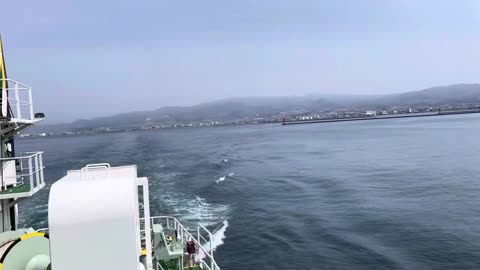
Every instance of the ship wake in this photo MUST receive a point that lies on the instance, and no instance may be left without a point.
(218, 235)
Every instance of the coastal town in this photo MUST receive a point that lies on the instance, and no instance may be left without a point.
(280, 117)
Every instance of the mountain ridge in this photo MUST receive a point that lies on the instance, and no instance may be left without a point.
(242, 108)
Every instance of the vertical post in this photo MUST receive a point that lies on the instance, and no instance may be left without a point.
(182, 261)
(17, 102)
(16, 214)
(146, 214)
(30, 172)
(4, 101)
(2, 171)
(41, 168)
(211, 251)
(37, 170)
(5, 217)
(30, 102)
(21, 165)
(211, 247)
(198, 235)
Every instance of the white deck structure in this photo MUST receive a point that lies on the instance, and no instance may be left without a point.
(19, 97)
(20, 176)
(94, 213)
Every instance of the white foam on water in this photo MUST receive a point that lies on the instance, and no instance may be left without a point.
(219, 235)
(216, 240)
(189, 209)
(221, 179)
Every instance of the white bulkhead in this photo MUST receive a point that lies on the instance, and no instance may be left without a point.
(94, 219)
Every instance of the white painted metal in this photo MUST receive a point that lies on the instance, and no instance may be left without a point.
(18, 95)
(96, 218)
(30, 99)
(143, 182)
(40, 163)
(33, 172)
(37, 173)
(104, 167)
(30, 171)
(8, 173)
(209, 240)
(17, 101)
(4, 104)
(95, 171)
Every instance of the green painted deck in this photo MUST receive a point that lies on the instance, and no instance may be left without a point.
(18, 189)
(195, 267)
(173, 265)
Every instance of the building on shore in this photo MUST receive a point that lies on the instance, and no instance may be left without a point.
(371, 113)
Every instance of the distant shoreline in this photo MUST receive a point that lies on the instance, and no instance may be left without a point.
(331, 120)
(411, 115)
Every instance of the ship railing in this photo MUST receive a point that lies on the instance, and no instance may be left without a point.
(44, 230)
(19, 97)
(21, 170)
(204, 244)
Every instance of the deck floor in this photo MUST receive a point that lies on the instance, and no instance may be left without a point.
(18, 189)
(195, 267)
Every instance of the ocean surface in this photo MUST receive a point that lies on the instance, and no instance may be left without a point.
(387, 194)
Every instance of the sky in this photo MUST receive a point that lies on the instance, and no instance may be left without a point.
(88, 58)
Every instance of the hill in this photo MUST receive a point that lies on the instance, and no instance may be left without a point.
(239, 109)
(451, 94)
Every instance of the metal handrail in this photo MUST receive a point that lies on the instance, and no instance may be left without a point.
(33, 171)
(11, 80)
(184, 234)
(22, 157)
(209, 236)
(15, 100)
(97, 166)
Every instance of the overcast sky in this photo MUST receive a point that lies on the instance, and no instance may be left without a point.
(88, 58)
